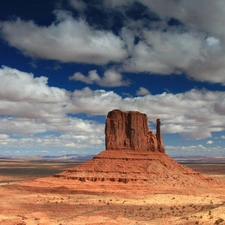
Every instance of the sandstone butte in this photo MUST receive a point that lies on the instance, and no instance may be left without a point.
(134, 160)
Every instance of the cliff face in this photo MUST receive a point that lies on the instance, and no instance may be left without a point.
(129, 131)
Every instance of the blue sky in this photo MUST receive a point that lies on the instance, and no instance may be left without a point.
(64, 64)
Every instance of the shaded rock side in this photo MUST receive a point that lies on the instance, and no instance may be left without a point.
(129, 131)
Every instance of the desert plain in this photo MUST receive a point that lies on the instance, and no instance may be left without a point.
(27, 198)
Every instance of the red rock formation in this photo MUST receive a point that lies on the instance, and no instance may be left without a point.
(129, 131)
(133, 156)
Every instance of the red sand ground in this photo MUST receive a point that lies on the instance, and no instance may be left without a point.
(166, 198)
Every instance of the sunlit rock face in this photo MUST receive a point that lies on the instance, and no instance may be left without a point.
(129, 131)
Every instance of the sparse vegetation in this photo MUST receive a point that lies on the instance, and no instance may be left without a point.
(195, 210)
(220, 220)
(185, 218)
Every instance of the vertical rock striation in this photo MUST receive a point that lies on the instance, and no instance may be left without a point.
(129, 131)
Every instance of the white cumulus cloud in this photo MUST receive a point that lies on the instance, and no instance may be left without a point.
(66, 40)
(142, 91)
(195, 47)
(111, 78)
(18, 86)
(23, 95)
(191, 114)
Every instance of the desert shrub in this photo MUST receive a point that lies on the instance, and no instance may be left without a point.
(220, 220)
(185, 218)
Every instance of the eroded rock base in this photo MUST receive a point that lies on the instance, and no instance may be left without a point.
(130, 167)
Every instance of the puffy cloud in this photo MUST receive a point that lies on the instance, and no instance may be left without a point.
(31, 134)
(50, 141)
(194, 47)
(175, 51)
(4, 136)
(111, 78)
(202, 14)
(17, 86)
(78, 127)
(66, 40)
(30, 107)
(142, 91)
(69, 125)
(22, 95)
(200, 41)
(209, 142)
(191, 113)
(31, 110)
(164, 53)
(219, 107)
(97, 102)
(21, 126)
(90, 79)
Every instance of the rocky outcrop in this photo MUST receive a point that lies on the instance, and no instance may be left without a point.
(134, 156)
(134, 167)
(129, 131)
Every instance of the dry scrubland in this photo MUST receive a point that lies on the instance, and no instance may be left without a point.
(24, 201)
